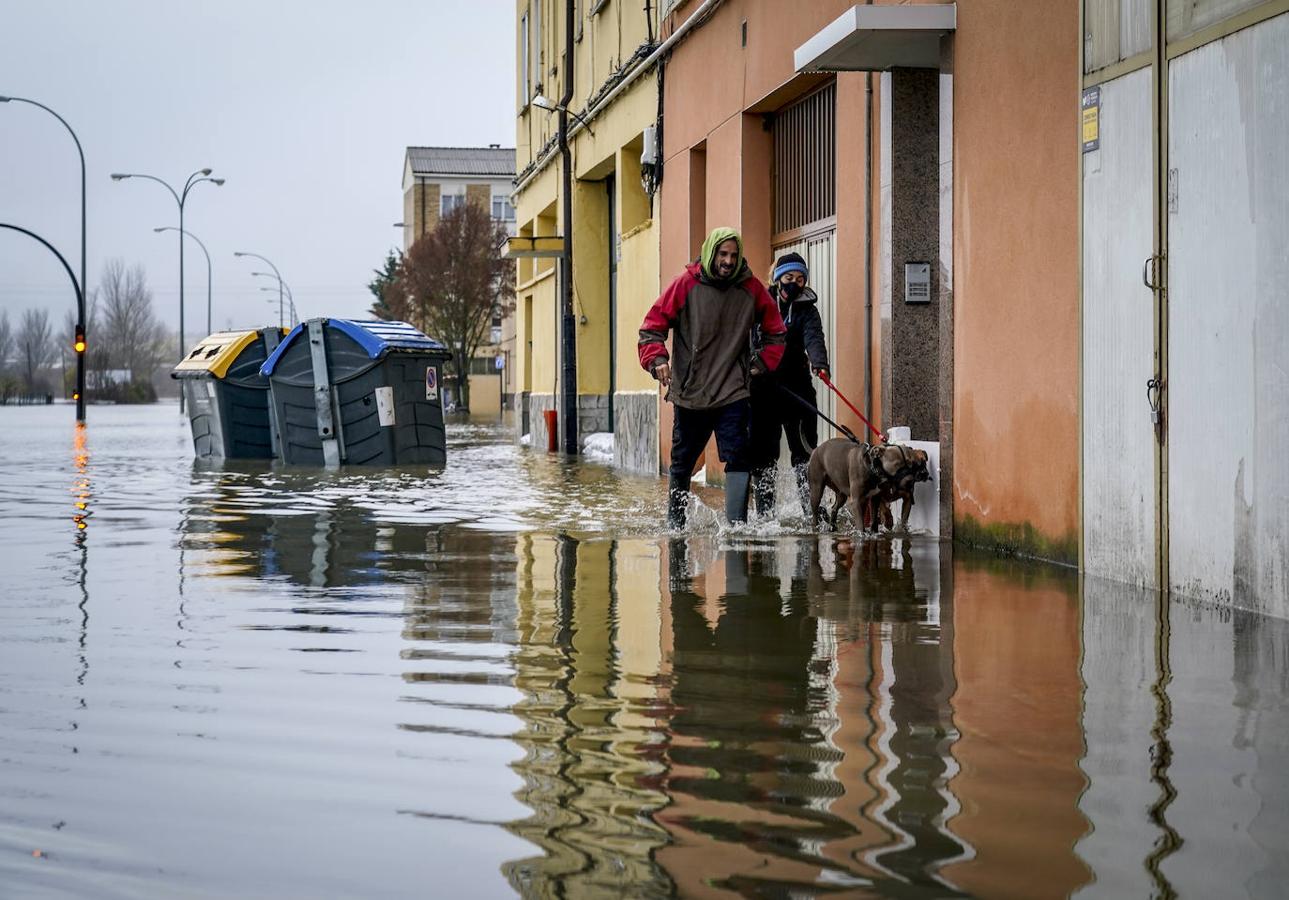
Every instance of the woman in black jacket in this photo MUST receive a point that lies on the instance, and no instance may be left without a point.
(773, 412)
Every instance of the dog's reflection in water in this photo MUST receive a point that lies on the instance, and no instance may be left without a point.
(865, 579)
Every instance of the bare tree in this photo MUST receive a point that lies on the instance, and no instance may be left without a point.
(129, 330)
(456, 282)
(35, 342)
(7, 383)
(6, 341)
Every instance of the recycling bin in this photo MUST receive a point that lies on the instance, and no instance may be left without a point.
(358, 393)
(226, 396)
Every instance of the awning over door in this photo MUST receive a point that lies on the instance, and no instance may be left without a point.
(875, 38)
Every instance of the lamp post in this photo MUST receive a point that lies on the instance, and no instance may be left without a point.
(542, 102)
(290, 303)
(80, 303)
(207, 254)
(290, 295)
(280, 315)
(181, 198)
(80, 292)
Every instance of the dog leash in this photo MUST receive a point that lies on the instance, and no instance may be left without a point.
(826, 380)
(814, 409)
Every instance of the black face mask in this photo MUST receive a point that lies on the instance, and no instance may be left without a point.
(790, 290)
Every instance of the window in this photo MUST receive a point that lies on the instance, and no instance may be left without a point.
(501, 208)
(525, 86)
(449, 202)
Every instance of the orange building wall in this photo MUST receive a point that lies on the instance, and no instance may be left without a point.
(711, 82)
(1016, 276)
(1015, 257)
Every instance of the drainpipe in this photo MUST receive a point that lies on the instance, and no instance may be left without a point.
(868, 246)
(569, 343)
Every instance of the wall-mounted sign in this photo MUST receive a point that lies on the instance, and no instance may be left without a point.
(431, 383)
(1091, 119)
(917, 282)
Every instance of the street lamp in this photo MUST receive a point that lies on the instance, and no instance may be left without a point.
(79, 345)
(79, 394)
(542, 102)
(207, 253)
(290, 295)
(276, 273)
(289, 300)
(181, 198)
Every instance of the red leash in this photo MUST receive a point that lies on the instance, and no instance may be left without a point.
(827, 381)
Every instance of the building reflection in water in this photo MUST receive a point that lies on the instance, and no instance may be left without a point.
(782, 716)
(1186, 725)
(804, 715)
(588, 665)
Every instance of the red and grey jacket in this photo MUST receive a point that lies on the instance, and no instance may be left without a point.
(711, 323)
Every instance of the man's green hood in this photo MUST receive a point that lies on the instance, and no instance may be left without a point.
(707, 258)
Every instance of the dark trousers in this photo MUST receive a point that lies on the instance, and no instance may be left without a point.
(693, 428)
(774, 413)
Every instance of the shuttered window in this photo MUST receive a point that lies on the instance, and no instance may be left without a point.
(805, 161)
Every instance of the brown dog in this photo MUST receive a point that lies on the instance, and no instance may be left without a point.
(855, 472)
(914, 467)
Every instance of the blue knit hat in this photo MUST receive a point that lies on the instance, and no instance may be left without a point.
(789, 262)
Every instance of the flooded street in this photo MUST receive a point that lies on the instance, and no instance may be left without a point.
(502, 679)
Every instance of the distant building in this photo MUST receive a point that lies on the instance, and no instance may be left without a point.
(435, 181)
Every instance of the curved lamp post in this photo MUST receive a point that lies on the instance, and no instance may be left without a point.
(276, 273)
(290, 295)
(290, 302)
(181, 198)
(80, 294)
(209, 329)
(80, 304)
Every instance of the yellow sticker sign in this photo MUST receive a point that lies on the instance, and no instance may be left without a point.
(1091, 119)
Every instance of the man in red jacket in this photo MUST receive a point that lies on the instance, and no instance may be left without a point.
(711, 309)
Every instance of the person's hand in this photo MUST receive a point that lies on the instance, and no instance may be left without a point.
(662, 372)
(822, 373)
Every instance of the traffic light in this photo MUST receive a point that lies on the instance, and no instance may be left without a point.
(79, 344)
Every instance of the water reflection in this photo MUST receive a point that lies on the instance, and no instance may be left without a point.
(772, 718)
(81, 496)
(784, 715)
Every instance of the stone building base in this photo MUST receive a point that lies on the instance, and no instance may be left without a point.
(635, 426)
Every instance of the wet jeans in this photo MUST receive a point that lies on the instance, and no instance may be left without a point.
(692, 428)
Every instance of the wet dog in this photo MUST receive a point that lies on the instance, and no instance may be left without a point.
(915, 466)
(856, 473)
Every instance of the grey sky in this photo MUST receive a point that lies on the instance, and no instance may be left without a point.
(304, 106)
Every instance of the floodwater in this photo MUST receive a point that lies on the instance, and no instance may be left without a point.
(501, 679)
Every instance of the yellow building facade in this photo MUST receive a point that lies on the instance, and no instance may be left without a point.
(614, 229)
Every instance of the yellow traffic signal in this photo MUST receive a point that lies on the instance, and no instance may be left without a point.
(79, 345)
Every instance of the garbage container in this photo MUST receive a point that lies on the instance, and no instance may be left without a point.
(359, 393)
(226, 396)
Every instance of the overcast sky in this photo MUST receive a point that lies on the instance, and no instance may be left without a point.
(304, 106)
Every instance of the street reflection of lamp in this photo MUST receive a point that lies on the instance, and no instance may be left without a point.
(80, 518)
(209, 329)
(81, 486)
